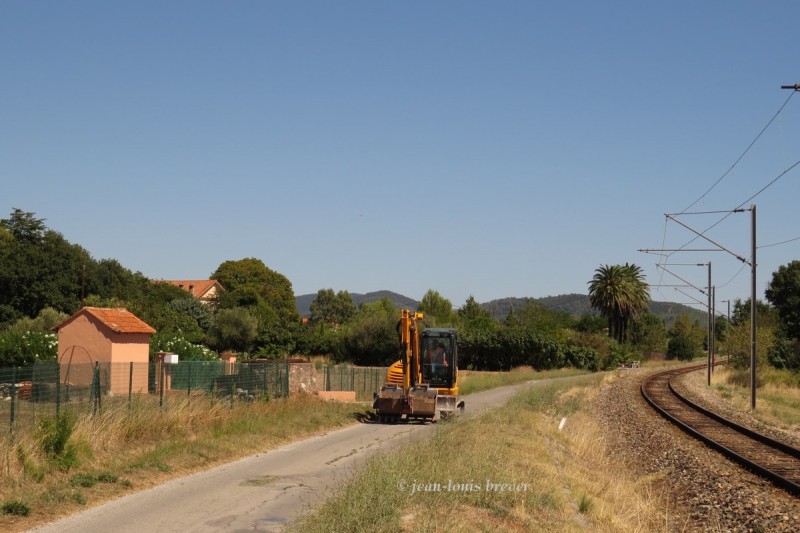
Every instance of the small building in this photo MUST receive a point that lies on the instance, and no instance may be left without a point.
(203, 289)
(115, 338)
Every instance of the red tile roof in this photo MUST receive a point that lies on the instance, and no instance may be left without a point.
(196, 287)
(118, 320)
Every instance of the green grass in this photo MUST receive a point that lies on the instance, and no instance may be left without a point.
(470, 382)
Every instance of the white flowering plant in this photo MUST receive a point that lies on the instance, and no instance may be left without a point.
(28, 348)
(176, 343)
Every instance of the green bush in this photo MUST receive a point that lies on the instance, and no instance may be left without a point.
(16, 508)
(25, 349)
(54, 440)
(682, 348)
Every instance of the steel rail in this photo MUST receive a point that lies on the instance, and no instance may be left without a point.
(679, 414)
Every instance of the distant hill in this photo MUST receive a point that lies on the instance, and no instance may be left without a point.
(573, 304)
(578, 305)
(303, 302)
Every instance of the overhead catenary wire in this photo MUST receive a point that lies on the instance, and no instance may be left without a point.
(777, 113)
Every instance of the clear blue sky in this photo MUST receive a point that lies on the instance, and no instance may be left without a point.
(487, 148)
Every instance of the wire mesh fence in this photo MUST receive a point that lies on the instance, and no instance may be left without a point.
(27, 393)
(363, 380)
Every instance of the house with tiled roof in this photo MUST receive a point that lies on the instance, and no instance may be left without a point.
(203, 289)
(115, 338)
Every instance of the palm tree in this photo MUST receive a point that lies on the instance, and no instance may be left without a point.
(620, 293)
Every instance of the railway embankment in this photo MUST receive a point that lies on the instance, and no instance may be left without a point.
(711, 492)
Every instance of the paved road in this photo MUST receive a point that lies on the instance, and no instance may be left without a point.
(263, 492)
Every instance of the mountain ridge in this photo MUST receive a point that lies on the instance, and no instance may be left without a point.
(573, 304)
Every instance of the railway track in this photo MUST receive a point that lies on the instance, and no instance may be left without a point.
(774, 460)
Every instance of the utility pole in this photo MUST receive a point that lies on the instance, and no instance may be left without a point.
(753, 310)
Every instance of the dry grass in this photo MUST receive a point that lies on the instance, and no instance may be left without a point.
(562, 479)
(777, 399)
(118, 450)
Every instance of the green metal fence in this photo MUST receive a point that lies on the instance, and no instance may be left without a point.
(27, 393)
(363, 380)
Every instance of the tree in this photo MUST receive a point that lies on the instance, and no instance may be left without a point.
(472, 316)
(252, 275)
(783, 292)
(372, 336)
(437, 309)
(233, 329)
(332, 308)
(765, 314)
(649, 333)
(620, 293)
(738, 347)
(24, 227)
(682, 348)
(538, 318)
(39, 268)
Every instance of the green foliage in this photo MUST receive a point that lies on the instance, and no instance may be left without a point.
(536, 317)
(279, 338)
(509, 348)
(738, 345)
(371, 339)
(437, 309)
(332, 308)
(16, 508)
(620, 293)
(649, 334)
(25, 349)
(47, 319)
(784, 353)
(87, 479)
(591, 324)
(54, 440)
(176, 343)
(24, 227)
(233, 329)
(783, 292)
(682, 347)
(323, 339)
(83, 479)
(472, 316)
(252, 276)
(765, 314)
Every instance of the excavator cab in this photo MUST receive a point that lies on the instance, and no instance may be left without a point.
(439, 368)
(439, 361)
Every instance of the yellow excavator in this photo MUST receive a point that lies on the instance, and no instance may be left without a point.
(423, 384)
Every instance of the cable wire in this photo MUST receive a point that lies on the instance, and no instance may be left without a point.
(777, 113)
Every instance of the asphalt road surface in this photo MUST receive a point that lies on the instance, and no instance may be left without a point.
(263, 492)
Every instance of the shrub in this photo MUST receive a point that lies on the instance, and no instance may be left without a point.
(16, 508)
(681, 347)
(54, 439)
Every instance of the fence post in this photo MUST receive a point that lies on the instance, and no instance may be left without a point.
(286, 378)
(266, 387)
(58, 389)
(160, 367)
(13, 392)
(189, 384)
(96, 387)
(130, 387)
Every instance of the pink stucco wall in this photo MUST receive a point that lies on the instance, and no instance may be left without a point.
(86, 341)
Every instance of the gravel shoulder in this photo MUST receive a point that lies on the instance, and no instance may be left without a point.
(703, 490)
